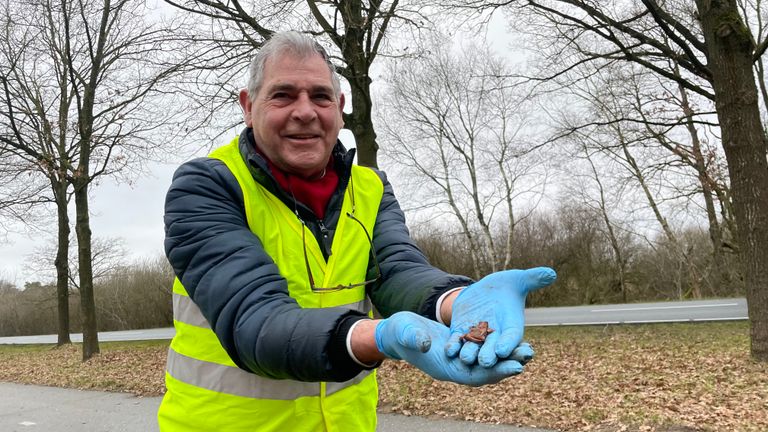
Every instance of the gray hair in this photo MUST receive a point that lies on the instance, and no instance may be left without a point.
(289, 42)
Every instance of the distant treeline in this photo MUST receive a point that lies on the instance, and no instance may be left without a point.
(129, 297)
(575, 245)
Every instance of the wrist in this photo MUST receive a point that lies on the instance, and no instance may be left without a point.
(445, 306)
(361, 343)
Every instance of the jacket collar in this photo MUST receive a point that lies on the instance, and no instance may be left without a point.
(257, 165)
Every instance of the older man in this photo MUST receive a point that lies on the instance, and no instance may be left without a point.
(281, 246)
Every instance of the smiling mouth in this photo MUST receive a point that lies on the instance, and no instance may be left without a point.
(302, 136)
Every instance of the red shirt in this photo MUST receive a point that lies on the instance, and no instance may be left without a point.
(315, 194)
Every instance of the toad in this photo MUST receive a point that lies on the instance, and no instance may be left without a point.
(477, 333)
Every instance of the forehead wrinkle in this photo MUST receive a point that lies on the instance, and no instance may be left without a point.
(284, 86)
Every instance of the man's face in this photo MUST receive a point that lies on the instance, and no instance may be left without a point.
(296, 116)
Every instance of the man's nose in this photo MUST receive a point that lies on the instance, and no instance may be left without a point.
(304, 109)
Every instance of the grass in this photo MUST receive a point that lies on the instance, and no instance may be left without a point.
(660, 377)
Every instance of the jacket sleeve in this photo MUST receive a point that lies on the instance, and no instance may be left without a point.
(409, 282)
(238, 287)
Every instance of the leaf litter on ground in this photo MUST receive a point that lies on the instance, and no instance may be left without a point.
(655, 378)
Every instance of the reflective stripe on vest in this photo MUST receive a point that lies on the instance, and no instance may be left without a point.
(201, 376)
(228, 378)
(233, 380)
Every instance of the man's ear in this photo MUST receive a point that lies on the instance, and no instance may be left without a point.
(246, 105)
(341, 108)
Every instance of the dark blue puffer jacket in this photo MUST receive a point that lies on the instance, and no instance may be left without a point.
(238, 287)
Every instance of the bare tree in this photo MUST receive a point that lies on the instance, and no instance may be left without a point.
(602, 202)
(643, 113)
(608, 104)
(716, 54)
(80, 103)
(753, 14)
(36, 102)
(703, 160)
(356, 29)
(455, 123)
(108, 258)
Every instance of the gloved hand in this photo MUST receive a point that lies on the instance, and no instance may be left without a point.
(498, 298)
(410, 337)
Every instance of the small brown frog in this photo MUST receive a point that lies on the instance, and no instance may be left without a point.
(477, 333)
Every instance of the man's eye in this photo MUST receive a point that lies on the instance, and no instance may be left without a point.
(280, 95)
(322, 96)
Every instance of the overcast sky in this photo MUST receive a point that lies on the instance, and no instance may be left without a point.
(131, 212)
(134, 212)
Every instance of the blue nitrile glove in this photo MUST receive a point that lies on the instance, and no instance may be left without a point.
(410, 337)
(498, 298)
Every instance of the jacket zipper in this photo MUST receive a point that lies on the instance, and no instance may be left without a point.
(325, 239)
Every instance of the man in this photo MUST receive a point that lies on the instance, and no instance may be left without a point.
(281, 246)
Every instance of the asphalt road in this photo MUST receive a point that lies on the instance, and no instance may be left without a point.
(634, 313)
(732, 309)
(25, 408)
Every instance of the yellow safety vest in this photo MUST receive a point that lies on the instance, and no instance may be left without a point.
(206, 391)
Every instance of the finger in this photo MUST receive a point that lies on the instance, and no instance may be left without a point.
(503, 369)
(416, 338)
(487, 355)
(507, 368)
(468, 353)
(523, 353)
(453, 345)
(537, 278)
(509, 339)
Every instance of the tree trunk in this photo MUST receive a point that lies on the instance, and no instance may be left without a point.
(360, 122)
(618, 254)
(718, 273)
(730, 60)
(356, 51)
(87, 302)
(62, 261)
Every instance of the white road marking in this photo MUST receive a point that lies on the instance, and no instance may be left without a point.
(664, 307)
(27, 423)
(574, 324)
(656, 321)
(637, 321)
